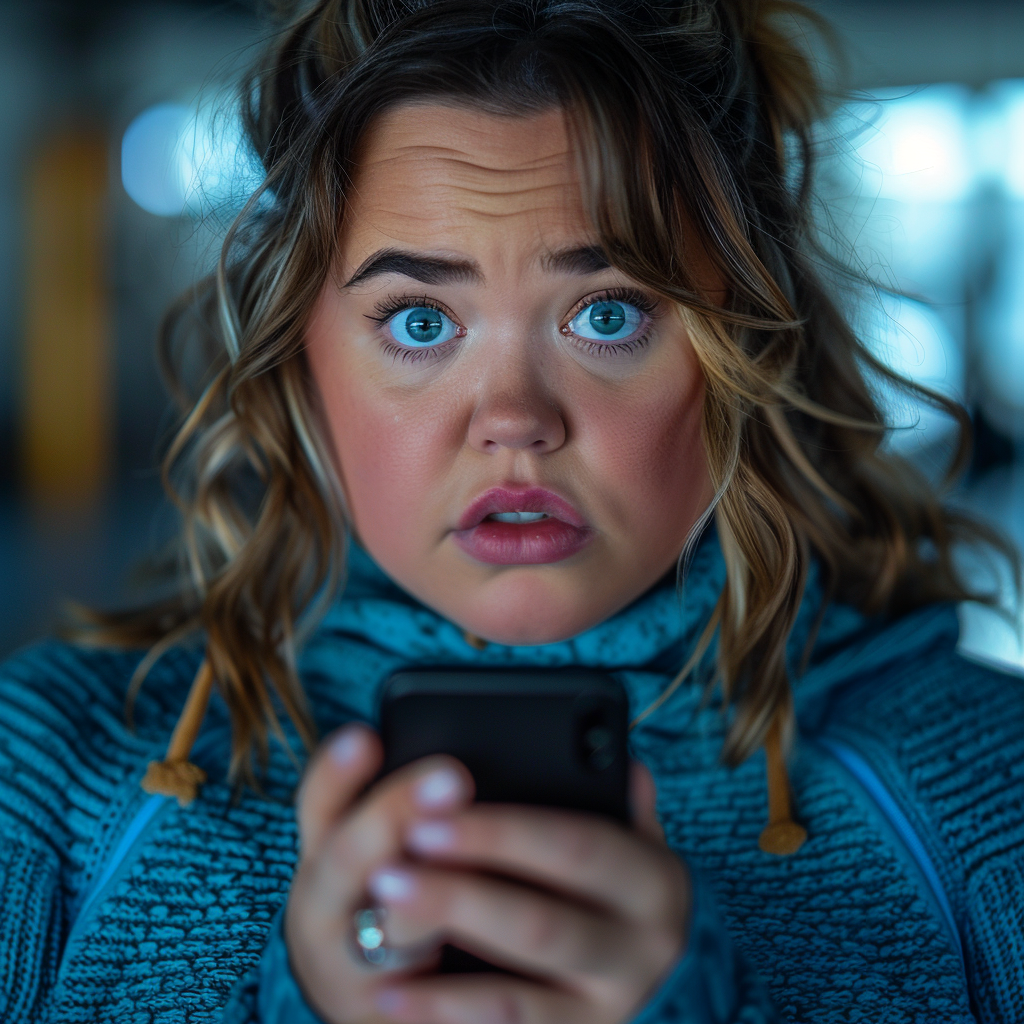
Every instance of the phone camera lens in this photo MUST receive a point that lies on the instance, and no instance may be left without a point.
(600, 753)
(596, 745)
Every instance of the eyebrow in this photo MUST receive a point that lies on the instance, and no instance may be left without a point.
(425, 269)
(438, 270)
(579, 259)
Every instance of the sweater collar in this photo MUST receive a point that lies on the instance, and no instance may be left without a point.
(656, 629)
(655, 634)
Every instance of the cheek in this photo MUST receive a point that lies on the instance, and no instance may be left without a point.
(391, 455)
(649, 455)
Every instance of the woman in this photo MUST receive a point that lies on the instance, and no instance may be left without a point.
(526, 313)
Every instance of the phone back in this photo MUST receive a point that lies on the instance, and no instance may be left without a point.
(551, 737)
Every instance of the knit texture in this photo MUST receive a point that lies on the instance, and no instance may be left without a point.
(710, 983)
(842, 931)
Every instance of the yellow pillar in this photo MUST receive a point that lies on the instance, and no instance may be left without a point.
(66, 424)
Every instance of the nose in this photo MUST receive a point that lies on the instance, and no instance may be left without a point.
(515, 410)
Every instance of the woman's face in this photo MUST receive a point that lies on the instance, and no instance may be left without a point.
(477, 358)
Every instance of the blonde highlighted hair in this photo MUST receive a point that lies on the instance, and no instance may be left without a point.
(692, 122)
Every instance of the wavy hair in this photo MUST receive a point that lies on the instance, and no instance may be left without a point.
(692, 122)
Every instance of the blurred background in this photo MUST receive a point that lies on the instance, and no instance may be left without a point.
(121, 163)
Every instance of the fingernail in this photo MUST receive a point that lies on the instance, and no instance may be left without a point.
(391, 885)
(347, 746)
(431, 836)
(389, 1001)
(439, 788)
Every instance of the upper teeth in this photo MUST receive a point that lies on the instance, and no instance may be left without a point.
(518, 517)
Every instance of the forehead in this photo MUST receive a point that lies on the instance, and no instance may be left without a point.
(443, 177)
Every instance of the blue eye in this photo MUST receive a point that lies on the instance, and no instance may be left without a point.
(607, 321)
(421, 327)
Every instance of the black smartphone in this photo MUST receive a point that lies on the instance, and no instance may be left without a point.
(556, 738)
(538, 736)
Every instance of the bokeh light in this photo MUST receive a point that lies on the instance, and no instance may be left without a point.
(178, 159)
(912, 340)
(999, 142)
(150, 167)
(913, 145)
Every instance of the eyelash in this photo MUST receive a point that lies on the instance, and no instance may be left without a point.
(387, 307)
(631, 297)
(384, 310)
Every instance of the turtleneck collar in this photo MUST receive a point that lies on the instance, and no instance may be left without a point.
(657, 628)
(654, 634)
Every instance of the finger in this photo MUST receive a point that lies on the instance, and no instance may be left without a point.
(337, 773)
(374, 830)
(512, 925)
(486, 999)
(643, 797)
(583, 855)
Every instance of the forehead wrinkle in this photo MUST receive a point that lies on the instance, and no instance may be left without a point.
(503, 184)
(510, 193)
(431, 162)
(425, 182)
(540, 165)
(499, 215)
(445, 203)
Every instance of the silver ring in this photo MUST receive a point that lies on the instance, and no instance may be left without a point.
(368, 939)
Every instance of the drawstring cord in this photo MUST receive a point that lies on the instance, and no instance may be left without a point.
(782, 835)
(175, 775)
(474, 641)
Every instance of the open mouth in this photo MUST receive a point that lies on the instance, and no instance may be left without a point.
(520, 506)
(517, 517)
(521, 526)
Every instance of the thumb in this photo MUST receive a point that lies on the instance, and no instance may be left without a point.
(643, 798)
(339, 771)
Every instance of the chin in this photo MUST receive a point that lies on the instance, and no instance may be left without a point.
(526, 617)
(524, 634)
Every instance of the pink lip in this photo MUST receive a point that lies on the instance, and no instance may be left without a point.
(549, 540)
(520, 499)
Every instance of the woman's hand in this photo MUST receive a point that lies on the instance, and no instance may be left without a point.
(592, 913)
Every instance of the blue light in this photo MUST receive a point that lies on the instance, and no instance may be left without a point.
(1000, 145)
(912, 146)
(216, 166)
(179, 160)
(1001, 363)
(149, 161)
(912, 340)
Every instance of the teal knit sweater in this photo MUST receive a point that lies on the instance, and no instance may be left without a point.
(904, 904)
